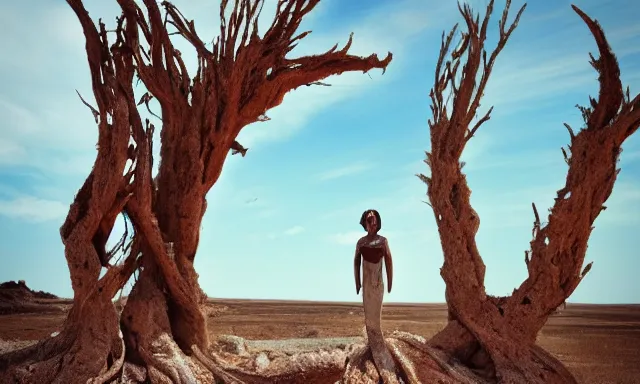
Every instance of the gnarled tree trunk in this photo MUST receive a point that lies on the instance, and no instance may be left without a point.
(89, 340)
(495, 336)
(492, 339)
(242, 76)
(488, 339)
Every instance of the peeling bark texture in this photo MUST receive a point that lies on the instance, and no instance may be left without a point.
(495, 336)
(237, 80)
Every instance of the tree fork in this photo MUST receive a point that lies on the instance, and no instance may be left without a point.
(237, 80)
(207, 127)
(496, 335)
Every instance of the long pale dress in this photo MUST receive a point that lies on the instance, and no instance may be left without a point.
(372, 294)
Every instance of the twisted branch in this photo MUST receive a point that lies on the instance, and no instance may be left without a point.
(558, 249)
(447, 188)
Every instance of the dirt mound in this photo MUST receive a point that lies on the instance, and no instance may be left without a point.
(19, 291)
(17, 297)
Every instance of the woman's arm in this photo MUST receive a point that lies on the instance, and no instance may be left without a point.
(356, 267)
(388, 264)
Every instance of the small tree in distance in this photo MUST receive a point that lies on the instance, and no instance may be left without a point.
(236, 82)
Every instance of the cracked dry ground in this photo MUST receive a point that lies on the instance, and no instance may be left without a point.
(596, 342)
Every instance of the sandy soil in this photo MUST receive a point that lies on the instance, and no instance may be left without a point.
(600, 344)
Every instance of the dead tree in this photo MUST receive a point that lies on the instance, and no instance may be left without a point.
(495, 336)
(238, 79)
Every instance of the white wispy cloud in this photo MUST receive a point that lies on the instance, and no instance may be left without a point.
(33, 209)
(10, 151)
(346, 238)
(385, 29)
(499, 210)
(296, 230)
(347, 170)
(533, 70)
(47, 125)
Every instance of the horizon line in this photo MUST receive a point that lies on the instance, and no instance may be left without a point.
(359, 302)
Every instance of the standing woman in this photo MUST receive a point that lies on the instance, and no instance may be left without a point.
(373, 248)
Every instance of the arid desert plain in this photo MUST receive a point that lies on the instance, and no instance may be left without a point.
(599, 343)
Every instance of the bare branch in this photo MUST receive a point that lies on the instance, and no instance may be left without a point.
(567, 159)
(536, 223)
(96, 114)
(485, 118)
(450, 130)
(424, 179)
(453, 126)
(586, 270)
(611, 95)
(571, 134)
(238, 148)
(145, 99)
(558, 250)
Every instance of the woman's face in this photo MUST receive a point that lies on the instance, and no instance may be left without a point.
(372, 222)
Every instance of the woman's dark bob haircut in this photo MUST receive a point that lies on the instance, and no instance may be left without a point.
(363, 219)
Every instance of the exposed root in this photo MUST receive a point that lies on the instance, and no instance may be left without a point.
(217, 371)
(77, 354)
(263, 367)
(418, 363)
(360, 368)
(44, 349)
(168, 364)
(132, 373)
(115, 368)
(451, 367)
(308, 367)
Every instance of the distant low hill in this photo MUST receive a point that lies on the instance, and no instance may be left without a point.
(17, 297)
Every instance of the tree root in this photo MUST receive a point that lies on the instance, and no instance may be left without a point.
(218, 372)
(115, 368)
(503, 360)
(66, 360)
(318, 367)
(417, 361)
(83, 349)
(168, 364)
(43, 350)
(405, 344)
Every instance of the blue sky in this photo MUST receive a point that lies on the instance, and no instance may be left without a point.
(329, 153)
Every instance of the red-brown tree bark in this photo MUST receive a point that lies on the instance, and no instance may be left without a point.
(496, 335)
(488, 339)
(237, 81)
